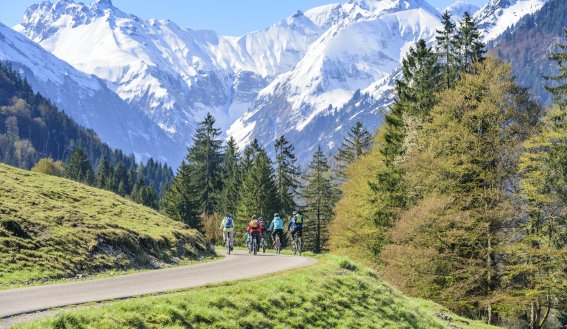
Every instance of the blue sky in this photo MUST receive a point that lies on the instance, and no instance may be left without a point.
(228, 17)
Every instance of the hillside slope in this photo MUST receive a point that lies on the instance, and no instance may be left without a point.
(52, 228)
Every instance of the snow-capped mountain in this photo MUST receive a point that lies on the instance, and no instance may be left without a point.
(86, 99)
(498, 15)
(174, 75)
(308, 76)
(324, 82)
(460, 7)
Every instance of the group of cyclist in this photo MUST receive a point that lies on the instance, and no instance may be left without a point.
(257, 230)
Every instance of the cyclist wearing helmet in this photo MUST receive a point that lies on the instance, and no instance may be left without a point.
(227, 227)
(296, 225)
(276, 227)
(255, 229)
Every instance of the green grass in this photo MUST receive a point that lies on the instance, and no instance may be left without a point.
(334, 293)
(53, 228)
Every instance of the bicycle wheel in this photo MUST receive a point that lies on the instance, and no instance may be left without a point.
(263, 243)
(299, 246)
(254, 247)
(277, 245)
(228, 246)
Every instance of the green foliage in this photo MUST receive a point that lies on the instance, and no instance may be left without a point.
(446, 245)
(559, 87)
(320, 197)
(49, 167)
(322, 296)
(469, 43)
(179, 202)
(204, 161)
(53, 228)
(79, 168)
(287, 177)
(447, 51)
(231, 178)
(356, 143)
(258, 195)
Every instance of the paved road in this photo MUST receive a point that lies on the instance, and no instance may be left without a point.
(233, 267)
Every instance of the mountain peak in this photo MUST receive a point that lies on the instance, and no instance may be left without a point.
(101, 5)
(459, 7)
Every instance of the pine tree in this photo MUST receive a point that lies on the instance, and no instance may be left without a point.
(356, 143)
(447, 51)
(287, 176)
(178, 201)
(120, 180)
(559, 87)
(231, 177)
(79, 167)
(204, 160)
(320, 196)
(103, 174)
(258, 193)
(469, 43)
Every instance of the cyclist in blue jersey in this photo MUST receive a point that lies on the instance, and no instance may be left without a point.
(276, 227)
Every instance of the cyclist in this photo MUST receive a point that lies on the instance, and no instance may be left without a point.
(255, 229)
(276, 227)
(264, 229)
(296, 225)
(227, 227)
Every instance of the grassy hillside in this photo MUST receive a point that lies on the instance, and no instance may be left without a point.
(52, 228)
(335, 293)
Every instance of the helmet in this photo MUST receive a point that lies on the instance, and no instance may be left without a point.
(228, 215)
(261, 219)
(276, 215)
(295, 212)
(254, 217)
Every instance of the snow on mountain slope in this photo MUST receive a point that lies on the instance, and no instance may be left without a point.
(86, 99)
(498, 15)
(323, 84)
(174, 75)
(459, 7)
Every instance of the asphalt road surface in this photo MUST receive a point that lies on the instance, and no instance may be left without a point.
(238, 266)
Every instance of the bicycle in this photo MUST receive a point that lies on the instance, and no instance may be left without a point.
(228, 243)
(297, 245)
(277, 245)
(263, 244)
(254, 245)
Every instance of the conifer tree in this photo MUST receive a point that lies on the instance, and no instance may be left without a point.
(79, 167)
(287, 176)
(231, 177)
(204, 160)
(559, 87)
(447, 51)
(103, 176)
(356, 143)
(469, 43)
(258, 193)
(120, 180)
(320, 196)
(179, 202)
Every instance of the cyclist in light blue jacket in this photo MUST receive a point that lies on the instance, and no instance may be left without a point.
(276, 226)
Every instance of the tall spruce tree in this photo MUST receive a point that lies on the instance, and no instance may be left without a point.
(320, 197)
(103, 174)
(204, 161)
(79, 168)
(179, 202)
(447, 51)
(356, 143)
(287, 176)
(231, 177)
(258, 193)
(469, 43)
(559, 82)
